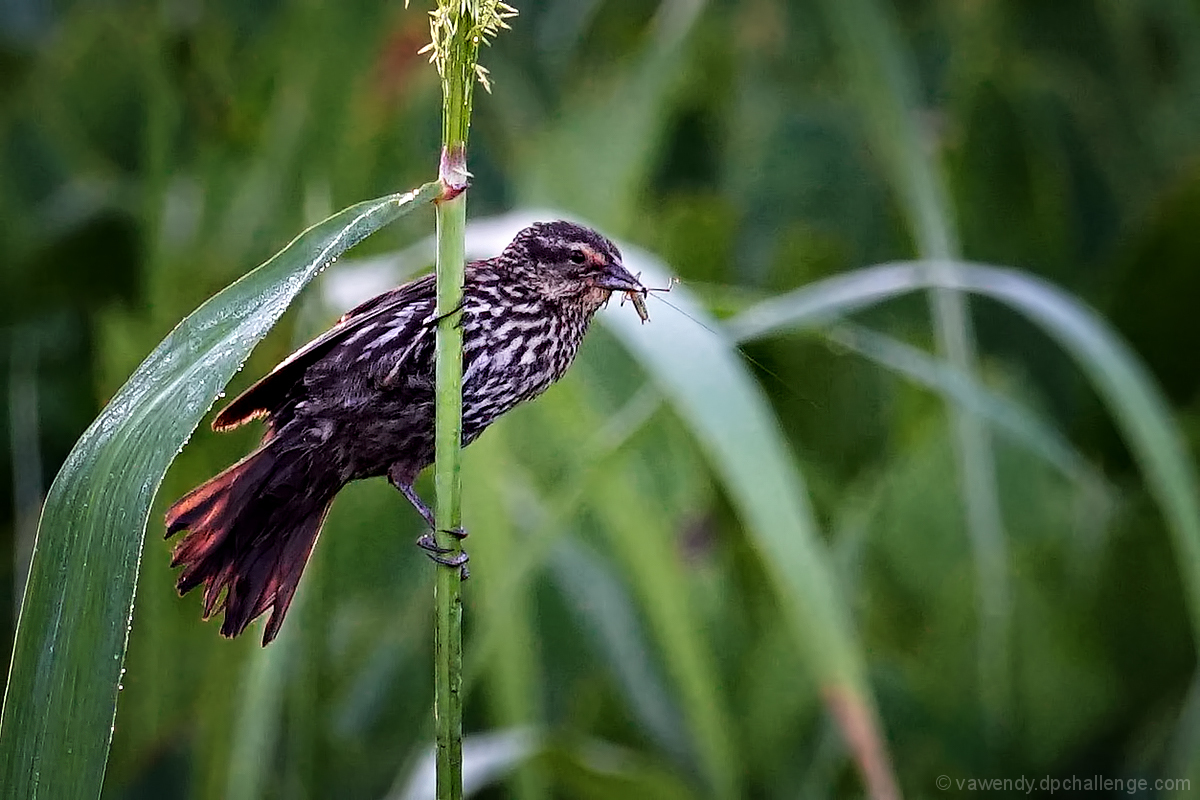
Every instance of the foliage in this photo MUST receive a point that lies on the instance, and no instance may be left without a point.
(626, 630)
(61, 694)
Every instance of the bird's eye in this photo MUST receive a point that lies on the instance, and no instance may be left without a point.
(577, 257)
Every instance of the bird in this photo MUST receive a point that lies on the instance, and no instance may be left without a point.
(357, 402)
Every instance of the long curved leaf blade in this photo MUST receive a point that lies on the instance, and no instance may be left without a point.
(1133, 398)
(1023, 425)
(699, 370)
(60, 702)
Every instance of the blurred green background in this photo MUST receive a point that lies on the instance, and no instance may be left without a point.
(151, 152)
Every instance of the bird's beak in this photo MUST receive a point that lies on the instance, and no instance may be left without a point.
(617, 279)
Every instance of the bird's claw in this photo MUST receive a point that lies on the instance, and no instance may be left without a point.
(439, 554)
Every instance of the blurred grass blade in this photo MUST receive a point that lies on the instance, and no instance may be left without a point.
(587, 768)
(604, 609)
(538, 544)
(708, 385)
(884, 74)
(1022, 424)
(515, 504)
(884, 77)
(515, 669)
(1130, 392)
(641, 536)
(258, 719)
(1184, 756)
(60, 702)
(487, 758)
(643, 541)
(619, 156)
(1096, 497)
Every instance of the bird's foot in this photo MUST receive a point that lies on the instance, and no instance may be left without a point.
(441, 555)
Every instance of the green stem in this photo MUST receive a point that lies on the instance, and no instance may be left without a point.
(457, 29)
(451, 229)
(457, 77)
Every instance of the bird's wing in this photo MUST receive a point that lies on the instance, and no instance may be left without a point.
(273, 389)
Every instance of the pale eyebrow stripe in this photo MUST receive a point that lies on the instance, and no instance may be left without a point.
(593, 256)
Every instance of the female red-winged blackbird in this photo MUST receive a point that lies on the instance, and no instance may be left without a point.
(358, 402)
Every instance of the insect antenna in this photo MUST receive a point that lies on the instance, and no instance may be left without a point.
(662, 290)
(749, 358)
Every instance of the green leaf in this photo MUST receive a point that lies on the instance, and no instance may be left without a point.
(606, 612)
(1021, 423)
(1133, 398)
(699, 369)
(883, 73)
(60, 703)
(619, 158)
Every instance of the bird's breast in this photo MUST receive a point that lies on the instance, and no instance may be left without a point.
(515, 354)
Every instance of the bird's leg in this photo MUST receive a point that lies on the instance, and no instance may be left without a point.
(403, 481)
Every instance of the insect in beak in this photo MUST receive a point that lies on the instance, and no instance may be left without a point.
(639, 304)
(638, 296)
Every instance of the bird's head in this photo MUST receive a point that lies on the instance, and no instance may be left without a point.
(570, 263)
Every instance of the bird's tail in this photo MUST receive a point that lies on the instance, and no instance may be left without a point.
(251, 530)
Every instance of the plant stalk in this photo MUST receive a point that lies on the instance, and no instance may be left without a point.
(457, 29)
(451, 230)
(458, 73)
